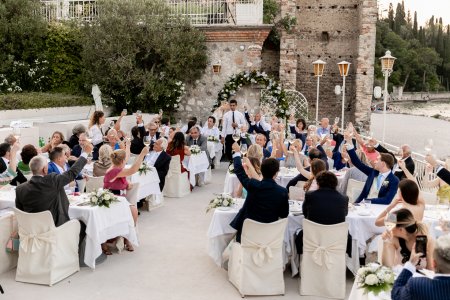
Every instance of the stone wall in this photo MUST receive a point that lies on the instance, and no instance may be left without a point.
(236, 49)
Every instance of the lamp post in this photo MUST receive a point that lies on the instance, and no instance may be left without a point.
(344, 66)
(319, 66)
(387, 64)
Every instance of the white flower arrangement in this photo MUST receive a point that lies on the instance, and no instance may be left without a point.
(222, 200)
(102, 198)
(144, 168)
(195, 149)
(212, 138)
(231, 168)
(375, 278)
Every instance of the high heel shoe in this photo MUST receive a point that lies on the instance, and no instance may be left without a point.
(105, 249)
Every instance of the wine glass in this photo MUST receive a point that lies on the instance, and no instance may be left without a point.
(236, 136)
(139, 113)
(16, 132)
(336, 120)
(179, 124)
(125, 111)
(244, 149)
(111, 124)
(147, 140)
(88, 137)
(390, 221)
(429, 146)
(160, 112)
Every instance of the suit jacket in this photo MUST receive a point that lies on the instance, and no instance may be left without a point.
(298, 135)
(266, 201)
(3, 165)
(266, 153)
(325, 206)
(444, 174)
(410, 166)
(42, 193)
(419, 288)
(19, 179)
(162, 167)
(202, 142)
(387, 191)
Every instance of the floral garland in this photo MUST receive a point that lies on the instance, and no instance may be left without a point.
(276, 96)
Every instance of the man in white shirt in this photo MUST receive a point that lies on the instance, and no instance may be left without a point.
(232, 120)
(159, 159)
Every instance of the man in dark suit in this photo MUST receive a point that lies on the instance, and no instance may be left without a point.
(324, 206)
(441, 172)
(407, 287)
(266, 201)
(261, 140)
(257, 124)
(195, 138)
(5, 156)
(160, 160)
(381, 184)
(406, 157)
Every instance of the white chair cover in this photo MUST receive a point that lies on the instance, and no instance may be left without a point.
(322, 267)
(256, 265)
(429, 197)
(132, 194)
(94, 183)
(47, 254)
(297, 192)
(8, 225)
(354, 189)
(177, 184)
(81, 185)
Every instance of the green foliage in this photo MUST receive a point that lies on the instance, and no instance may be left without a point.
(270, 10)
(41, 100)
(138, 54)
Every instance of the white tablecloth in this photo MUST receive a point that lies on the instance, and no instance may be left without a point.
(231, 184)
(285, 175)
(196, 164)
(7, 260)
(101, 224)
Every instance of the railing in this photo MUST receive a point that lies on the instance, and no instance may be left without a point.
(199, 12)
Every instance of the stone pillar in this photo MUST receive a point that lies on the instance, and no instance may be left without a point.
(288, 45)
(365, 61)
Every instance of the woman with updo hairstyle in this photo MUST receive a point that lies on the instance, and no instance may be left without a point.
(116, 179)
(399, 242)
(95, 124)
(104, 161)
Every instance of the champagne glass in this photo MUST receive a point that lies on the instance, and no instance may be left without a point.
(336, 120)
(139, 113)
(16, 132)
(236, 136)
(179, 124)
(244, 149)
(429, 146)
(390, 221)
(125, 111)
(88, 137)
(111, 124)
(147, 140)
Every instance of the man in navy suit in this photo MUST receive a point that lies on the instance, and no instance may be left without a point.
(407, 287)
(266, 201)
(262, 141)
(381, 184)
(441, 172)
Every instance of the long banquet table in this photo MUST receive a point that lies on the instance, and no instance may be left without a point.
(101, 223)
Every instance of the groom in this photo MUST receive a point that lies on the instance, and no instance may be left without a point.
(266, 201)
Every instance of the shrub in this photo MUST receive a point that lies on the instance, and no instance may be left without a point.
(41, 100)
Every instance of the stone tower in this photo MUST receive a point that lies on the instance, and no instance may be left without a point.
(333, 31)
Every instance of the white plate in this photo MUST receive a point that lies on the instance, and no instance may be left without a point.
(364, 212)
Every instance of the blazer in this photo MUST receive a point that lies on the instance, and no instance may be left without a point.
(409, 162)
(298, 135)
(162, 167)
(266, 201)
(43, 193)
(418, 288)
(202, 142)
(387, 191)
(266, 153)
(444, 174)
(325, 206)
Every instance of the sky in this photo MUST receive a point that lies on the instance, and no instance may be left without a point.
(425, 9)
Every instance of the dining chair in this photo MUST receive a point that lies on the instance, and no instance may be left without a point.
(255, 265)
(93, 183)
(322, 265)
(177, 183)
(354, 189)
(47, 254)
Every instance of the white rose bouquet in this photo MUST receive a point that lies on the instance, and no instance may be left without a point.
(375, 278)
(222, 200)
(195, 149)
(102, 198)
(212, 138)
(144, 168)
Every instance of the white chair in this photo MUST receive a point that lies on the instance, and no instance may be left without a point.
(94, 183)
(297, 192)
(429, 197)
(256, 264)
(132, 194)
(354, 189)
(47, 254)
(322, 267)
(81, 185)
(177, 184)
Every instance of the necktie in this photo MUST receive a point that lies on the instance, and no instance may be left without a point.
(195, 142)
(380, 176)
(233, 118)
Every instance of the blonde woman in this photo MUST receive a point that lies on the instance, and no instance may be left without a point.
(252, 166)
(56, 140)
(104, 161)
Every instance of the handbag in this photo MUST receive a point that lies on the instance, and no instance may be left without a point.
(13, 243)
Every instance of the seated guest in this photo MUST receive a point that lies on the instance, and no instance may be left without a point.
(298, 129)
(195, 138)
(324, 128)
(10, 139)
(76, 131)
(317, 166)
(353, 172)
(192, 121)
(252, 166)
(77, 149)
(114, 140)
(23, 168)
(266, 201)
(56, 140)
(368, 148)
(159, 159)
(153, 133)
(257, 124)
(441, 171)
(324, 206)
(178, 147)
(408, 197)
(261, 140)
(8, 164)
(440, 183)
(406, 158)
(381, 185)
(407, 287)
(58, 161)
(165, 126)
(104, 161)
(116, 180)
(137, 132)
(398, 243)
(313, 154)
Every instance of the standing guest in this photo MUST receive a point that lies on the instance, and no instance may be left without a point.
(116, 181)
(76, 131)
(159, 159)
(407, 287)
(195, 138)
(178, 147)
(8, 164)
(266, 201)
(232, 121)
(381, 185)
(324, 128)
(56, 140)
(102, 165)
(95, 128)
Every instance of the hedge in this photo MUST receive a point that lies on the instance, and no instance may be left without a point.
(35, 100)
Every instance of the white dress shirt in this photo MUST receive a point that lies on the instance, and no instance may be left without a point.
(228, 120)
(96, 135)
(151, 158)
(211, 131)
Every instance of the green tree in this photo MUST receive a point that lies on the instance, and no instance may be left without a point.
(391, 16)
(415, 31)
(139, 53)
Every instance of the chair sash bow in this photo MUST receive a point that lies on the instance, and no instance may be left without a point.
(33, 242)
(263, 252)
(322, 255)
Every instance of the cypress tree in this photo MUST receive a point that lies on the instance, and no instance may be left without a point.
(415, 32)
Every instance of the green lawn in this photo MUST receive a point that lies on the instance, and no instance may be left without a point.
(42, 100)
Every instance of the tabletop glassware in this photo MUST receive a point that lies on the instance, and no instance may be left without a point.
(367, 203)
(125, 111)
(390, 221)
(244, 149)
(236, 136)
(336, 120)
(429, 146)
(147, 140)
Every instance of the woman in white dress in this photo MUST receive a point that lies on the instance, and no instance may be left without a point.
(95, 124)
